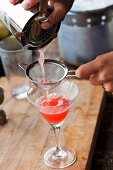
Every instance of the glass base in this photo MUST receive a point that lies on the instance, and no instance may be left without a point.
(62, 159)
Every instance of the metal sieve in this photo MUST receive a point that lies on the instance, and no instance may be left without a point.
(55, 72)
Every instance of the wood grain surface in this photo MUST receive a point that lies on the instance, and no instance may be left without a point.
(26, 136)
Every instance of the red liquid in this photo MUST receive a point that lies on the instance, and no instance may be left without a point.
(61, 107)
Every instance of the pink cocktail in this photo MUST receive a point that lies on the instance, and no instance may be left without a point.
(60, 104)
(54, 108)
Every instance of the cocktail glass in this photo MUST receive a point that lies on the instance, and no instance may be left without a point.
(54, 109)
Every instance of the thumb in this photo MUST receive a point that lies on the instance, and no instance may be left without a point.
(85, 70)
(53, 18)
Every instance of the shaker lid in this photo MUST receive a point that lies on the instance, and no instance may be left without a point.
(35, 37)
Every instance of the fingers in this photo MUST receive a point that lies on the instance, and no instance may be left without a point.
(94, 80)
(105, 74)
(27, 4)
(61, 7)
(100, 68)
(85, 70)
(107, 83)
(54, 17)
(14, 1)
(108, 86)
(99, 71)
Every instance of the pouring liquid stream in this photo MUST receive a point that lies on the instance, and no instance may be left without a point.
(41, 62)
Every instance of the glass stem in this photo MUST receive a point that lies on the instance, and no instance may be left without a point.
(57, 137)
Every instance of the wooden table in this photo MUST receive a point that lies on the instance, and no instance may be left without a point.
(26, 136)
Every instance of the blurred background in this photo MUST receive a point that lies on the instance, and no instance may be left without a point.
(87, 31)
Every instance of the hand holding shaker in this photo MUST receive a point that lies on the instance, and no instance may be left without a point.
(25, 25)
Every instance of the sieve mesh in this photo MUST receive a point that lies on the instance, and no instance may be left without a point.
(55, 71)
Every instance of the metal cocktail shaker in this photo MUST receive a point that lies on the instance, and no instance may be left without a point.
(25, 25)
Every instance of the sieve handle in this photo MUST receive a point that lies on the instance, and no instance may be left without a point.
(71, 73)
(23, 66)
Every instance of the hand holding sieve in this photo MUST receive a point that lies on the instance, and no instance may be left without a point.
(55, 72)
